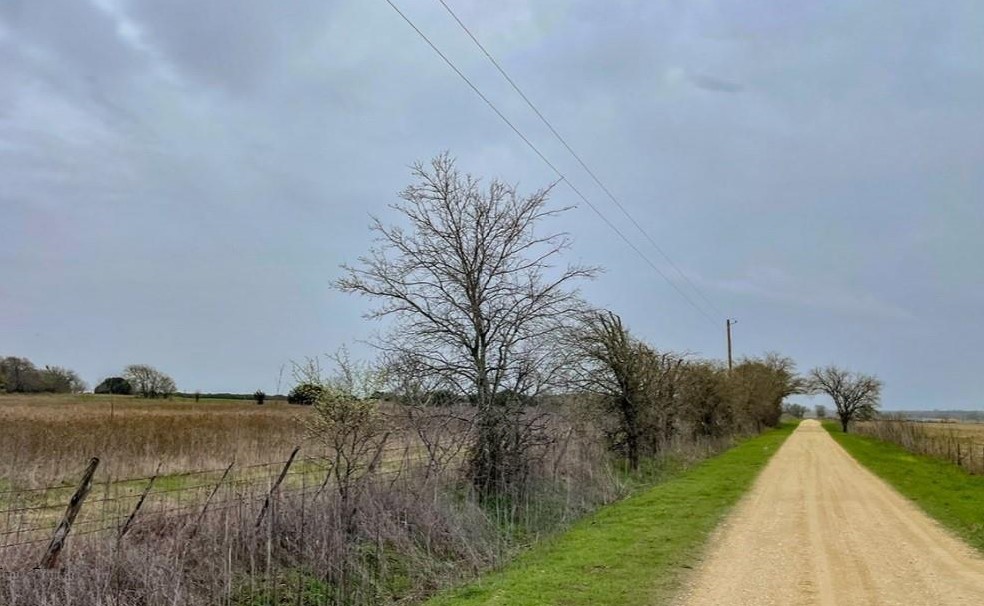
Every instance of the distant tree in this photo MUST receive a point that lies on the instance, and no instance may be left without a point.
(797, 411)
(306, 393)
(259, 396)
(856, 396)
(55, 379)
(820, 411)
(198, 396)
(114, 385)
(20, 375)
(148, 382)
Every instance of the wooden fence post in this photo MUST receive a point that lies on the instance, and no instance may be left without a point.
(276, 485)
(133, 514)
(74, 506)
(201, 514)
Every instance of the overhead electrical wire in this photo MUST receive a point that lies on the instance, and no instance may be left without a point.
(550, 164)
(577, 157)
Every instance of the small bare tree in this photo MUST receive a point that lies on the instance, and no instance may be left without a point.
(477, 300)
(348, 423)
(820, 411)
(432, 410)
(856, 396)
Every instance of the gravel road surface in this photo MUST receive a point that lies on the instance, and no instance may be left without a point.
(818, 528)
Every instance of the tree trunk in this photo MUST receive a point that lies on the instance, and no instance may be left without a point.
(633, 433)
(844, 421)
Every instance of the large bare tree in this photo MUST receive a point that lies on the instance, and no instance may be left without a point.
(477, 296)
(855, 395)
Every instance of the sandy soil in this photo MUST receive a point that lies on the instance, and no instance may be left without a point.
(817, 528)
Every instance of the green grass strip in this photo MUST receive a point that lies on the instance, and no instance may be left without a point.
(944, 491)
(634, 551)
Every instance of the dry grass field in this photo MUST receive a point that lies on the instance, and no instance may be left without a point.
(389, 530)
(47, 440)
(963, 431)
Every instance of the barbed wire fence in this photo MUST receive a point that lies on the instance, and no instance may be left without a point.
(55, 515)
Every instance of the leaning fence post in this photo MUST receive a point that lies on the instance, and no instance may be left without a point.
(133, 514)
(74, 506)
(276, 485)
(201, 514)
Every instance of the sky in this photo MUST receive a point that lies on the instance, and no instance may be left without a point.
(180, 181)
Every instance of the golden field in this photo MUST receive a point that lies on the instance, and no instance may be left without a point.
(48, 439)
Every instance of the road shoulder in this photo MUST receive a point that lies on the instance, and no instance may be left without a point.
(636, 551)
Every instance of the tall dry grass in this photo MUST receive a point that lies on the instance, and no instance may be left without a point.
(47, 439)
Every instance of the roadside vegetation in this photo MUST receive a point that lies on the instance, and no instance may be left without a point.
(501, 408)
(633, 552)
(943, 490)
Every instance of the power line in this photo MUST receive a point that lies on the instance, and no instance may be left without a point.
(563, 142)
(546, 161)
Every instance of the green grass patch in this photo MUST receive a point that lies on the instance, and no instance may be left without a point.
(943, 490)
(635, 551)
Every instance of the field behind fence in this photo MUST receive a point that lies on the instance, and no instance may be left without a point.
(30, 517)
(959, 443)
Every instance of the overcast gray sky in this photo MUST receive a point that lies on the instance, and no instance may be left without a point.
(180, 180)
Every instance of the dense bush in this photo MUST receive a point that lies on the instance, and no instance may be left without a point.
(115, 385)
(305, 394)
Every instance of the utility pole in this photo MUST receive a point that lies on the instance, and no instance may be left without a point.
(729, 323)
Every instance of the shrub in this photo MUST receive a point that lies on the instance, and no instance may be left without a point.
(115, 385)
(305, 394)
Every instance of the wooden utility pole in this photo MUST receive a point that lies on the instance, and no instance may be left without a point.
(729, 323)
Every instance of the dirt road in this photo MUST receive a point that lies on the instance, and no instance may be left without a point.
(817, 528)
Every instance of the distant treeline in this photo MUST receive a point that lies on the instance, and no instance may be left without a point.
(20, 375)
(974, 416)
(228, 396)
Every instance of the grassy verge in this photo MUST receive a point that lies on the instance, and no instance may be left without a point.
(632, 552)
(944, 491)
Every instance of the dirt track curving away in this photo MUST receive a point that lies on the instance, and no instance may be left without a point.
(817, 528)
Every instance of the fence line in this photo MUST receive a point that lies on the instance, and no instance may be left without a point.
(24, 523)
(936, 440)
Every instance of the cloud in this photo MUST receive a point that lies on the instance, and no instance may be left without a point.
(197, 170)
(715, 84)
(773, 283)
